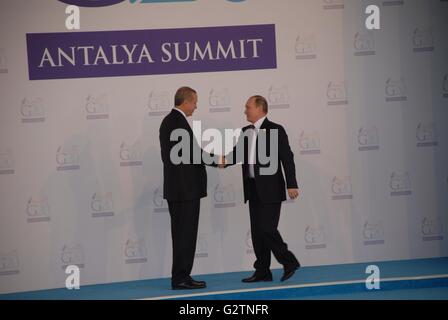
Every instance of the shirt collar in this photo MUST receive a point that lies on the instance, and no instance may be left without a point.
(259, 122)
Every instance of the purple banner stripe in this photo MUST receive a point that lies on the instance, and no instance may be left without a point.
(145, 52)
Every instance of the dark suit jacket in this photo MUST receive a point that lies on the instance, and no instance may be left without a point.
(270, 188)
(181, 182)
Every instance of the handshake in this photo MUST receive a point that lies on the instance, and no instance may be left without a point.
(222, 162)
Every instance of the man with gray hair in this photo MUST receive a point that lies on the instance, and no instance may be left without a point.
(184, 184)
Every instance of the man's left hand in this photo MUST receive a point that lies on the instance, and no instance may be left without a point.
(293, 193)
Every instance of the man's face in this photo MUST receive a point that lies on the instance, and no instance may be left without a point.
(252, 111)
(191, 105)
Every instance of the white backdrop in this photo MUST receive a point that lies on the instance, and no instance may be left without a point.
(366, 114)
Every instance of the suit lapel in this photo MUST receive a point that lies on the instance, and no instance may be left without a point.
(265, 124)
(265, 127)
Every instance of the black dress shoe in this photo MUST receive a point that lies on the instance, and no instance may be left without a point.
(198, 282)
(258, 278)
(188, 285)
(289, 272)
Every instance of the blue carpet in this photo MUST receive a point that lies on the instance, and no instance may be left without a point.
(308, 278)
(409, 294)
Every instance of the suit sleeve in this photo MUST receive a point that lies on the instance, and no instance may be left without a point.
(164, 143)
(238, 153)
(195, 147)
(287, 159)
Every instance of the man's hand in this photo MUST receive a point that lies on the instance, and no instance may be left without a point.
(222, 162)
(293, 193)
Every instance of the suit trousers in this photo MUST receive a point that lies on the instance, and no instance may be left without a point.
(264, 219)
(184, 232)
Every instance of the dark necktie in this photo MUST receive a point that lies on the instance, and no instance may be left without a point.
(252, 157)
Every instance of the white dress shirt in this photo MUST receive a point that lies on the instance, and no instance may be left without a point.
(252, 147)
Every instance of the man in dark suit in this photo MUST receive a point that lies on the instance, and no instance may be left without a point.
(265, 190)
(184, 184)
